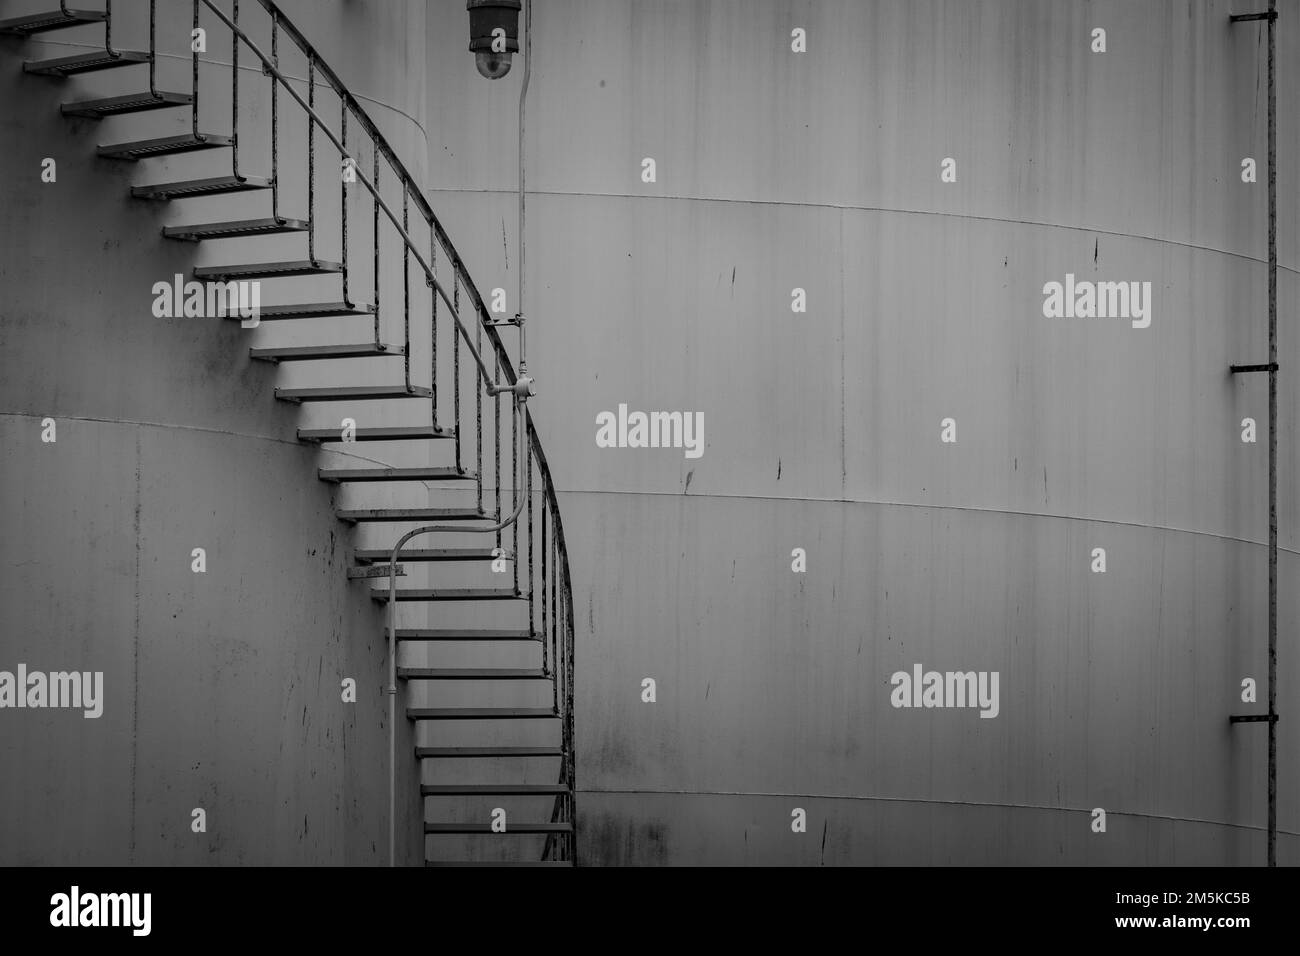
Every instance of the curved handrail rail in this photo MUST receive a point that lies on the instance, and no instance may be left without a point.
(519, 385)
(444, 240)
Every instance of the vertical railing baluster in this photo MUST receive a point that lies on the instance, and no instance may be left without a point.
(528, 503)
(376, 234)
(572, 782)
(557, 650)
(234, 94)
(153, 45)
(543, 633)
(554, 611)
(569, 851)
(496, 436)
(343, 202)
(568, 704)
(478, 408)
(515, 491)
(406, 281)
(311, 161)
(275, 128)
(455, 357)
(433, 327)
(194, 49)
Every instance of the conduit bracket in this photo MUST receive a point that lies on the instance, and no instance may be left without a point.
(1252, 718)
(1266, 367)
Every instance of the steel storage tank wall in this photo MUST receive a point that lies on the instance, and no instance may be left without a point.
(820, 170)
(222, 689)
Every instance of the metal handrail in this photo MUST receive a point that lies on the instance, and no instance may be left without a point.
(274, 71)
(518, 384)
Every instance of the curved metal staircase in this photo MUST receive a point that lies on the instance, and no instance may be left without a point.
(490, 737)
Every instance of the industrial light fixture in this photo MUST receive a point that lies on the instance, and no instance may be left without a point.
(493, 35)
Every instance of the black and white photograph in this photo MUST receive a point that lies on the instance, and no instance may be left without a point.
(759, 435)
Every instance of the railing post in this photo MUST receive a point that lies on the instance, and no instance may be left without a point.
(406, 282)
(544, 632)
(275, 133)
(194, 93)
(343, 202)
(433, 332)
(153, 45)
(375, 174)
(514, 491)
(496, 444)
(528, 498)
(455, 359)
(234, 93)
(478, 413)
(311, 162)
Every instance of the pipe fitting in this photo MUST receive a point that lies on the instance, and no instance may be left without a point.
(523, 388)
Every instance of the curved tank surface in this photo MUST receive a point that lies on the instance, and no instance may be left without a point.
(823, 171)
(816, 427)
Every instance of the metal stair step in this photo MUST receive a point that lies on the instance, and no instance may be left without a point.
(471, 673)
(235, 229)
(129, 103)
(164, 146)
(317, 353)
(351, 393)
(85, 62)
(460, 634)
(507, 863)
(410, 514)
(487, 828)
(365, 555)
(450, 594)
(268, 270)
(399, 433)
(208, 186)
(430, 753)
(50, 20)
(491, 789)
(311, 310)
(393, 474)
(479, 713)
